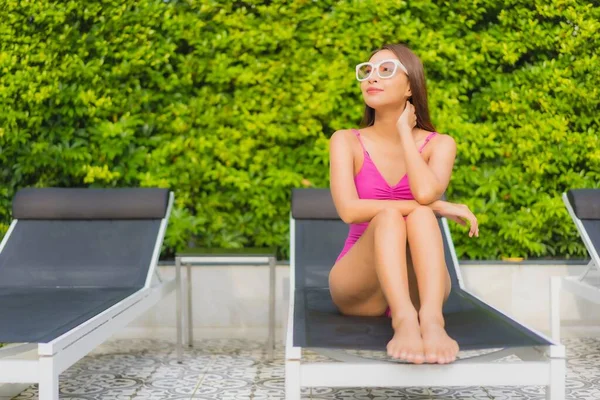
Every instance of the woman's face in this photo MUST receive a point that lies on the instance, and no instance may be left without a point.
(381, 92)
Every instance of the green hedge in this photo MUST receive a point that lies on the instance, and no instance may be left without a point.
(231, 104)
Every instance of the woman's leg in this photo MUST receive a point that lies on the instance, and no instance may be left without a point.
(372, 275)
(433, 280)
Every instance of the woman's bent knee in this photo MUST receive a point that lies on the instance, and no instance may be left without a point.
(389, 215)
(421, 212)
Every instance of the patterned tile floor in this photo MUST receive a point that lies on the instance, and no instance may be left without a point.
(231, 369)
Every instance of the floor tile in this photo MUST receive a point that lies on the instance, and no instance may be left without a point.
(238, 370)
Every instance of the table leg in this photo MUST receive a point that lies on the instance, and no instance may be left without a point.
(189, 307)
(178, 294)
(271, 342)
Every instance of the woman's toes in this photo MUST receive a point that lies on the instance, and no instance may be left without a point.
(431, 357)
(392, 351)
(452, 356)
(449, 356)
(418, 359)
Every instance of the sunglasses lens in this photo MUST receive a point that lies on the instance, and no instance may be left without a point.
(387, 69)
(363, 71)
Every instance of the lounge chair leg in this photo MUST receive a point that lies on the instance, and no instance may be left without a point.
(271, 340)
(178, 301)
(190, 322)
(292, 380)
(48, 387)
(555, 285)
(556, 389)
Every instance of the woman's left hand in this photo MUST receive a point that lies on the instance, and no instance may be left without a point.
(408, 118)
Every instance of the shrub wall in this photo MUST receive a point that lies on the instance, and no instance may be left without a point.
(231, 105)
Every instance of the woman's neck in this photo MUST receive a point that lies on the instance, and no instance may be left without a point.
(385, 125)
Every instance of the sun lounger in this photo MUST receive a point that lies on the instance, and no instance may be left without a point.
(317, 236)
(76, 265)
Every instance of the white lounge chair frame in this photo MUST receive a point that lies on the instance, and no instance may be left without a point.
(580, 285)
(17, 364)
(541, 365)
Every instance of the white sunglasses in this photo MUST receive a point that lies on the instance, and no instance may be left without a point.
(385, 69)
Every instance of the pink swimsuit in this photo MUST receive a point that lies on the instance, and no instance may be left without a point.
(370, 184)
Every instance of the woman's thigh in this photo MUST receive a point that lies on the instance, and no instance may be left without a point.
(354, 283)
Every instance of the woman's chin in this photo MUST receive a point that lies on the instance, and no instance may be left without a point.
(381, 104)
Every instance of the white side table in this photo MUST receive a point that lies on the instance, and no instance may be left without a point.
(218, 256)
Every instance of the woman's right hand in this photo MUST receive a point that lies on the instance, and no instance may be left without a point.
(459, 213)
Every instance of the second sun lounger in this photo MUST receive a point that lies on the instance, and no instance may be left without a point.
(583, 206)
(317, 235)
(76, 265)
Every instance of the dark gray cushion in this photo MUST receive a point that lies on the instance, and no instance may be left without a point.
(318, 323)
(78, 253)
(313, 203)
(83, 203)
(585, 203)
(40, 315)
(472, 323)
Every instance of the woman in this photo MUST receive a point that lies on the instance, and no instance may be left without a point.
(386, 181)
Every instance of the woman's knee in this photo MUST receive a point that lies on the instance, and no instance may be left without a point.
(421, 212)
(389, 215)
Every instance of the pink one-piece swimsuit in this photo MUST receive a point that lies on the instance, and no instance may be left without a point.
(370, 184)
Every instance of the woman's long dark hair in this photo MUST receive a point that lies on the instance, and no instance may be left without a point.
(416, 78)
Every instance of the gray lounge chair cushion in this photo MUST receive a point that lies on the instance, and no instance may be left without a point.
(75, 203)
(319, 238)
(40, 315)
(72, 254)
(585, 203)
(313, 203)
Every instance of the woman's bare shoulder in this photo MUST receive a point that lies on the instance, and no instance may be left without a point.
(444, 139)
(442, 144)
(342, 138)
(342, 134)
(439, 139)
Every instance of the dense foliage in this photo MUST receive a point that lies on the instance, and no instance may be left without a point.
(231, 104)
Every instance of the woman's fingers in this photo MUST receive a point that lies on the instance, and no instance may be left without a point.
(465, 215)
(474, 226)
(459, 220)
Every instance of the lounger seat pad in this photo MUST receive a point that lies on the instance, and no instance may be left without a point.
(585, 203)
(40, 315)
(592, 228)
(472, 323)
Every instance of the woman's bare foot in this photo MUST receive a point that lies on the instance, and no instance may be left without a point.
(437, 345)
(407, 343)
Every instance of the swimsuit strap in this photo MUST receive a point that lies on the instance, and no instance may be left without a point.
(427, 139)
(357, 134)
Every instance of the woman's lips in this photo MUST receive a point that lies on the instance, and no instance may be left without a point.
(374, 90)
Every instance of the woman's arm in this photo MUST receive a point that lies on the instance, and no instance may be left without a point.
(429, 181)
(350, 208)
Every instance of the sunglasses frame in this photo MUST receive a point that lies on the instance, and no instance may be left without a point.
(375, 67)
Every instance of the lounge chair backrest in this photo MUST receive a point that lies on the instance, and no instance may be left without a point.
(82, 237)
(585, 203)
(319, 236)
(584, 207)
